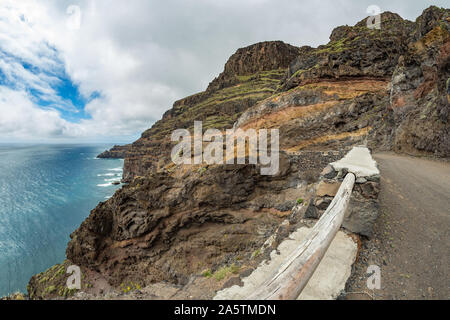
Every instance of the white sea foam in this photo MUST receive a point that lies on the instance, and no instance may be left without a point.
(107, 174)
(116, 169)
(105, 184)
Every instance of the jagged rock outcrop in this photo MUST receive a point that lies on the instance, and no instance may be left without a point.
(419, 102)
(355, 51)
(263, 56)
(116, 152)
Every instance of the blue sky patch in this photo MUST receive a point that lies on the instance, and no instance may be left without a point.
(65, 97)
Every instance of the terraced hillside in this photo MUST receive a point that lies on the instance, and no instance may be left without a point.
(250, 75)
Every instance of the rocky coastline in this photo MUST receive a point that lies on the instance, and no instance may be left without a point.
(180, 231)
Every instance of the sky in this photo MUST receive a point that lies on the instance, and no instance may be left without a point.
(105, 71)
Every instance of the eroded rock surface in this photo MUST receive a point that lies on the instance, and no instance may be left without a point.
(116, 152)
(168, 226)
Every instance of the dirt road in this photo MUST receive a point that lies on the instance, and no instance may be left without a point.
(411, 243)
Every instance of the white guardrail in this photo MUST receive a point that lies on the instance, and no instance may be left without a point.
(294, 274)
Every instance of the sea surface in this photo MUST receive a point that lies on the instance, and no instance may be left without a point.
(46, 191)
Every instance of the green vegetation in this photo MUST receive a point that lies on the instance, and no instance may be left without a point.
(207, 273)
(65, 292)
(257, 253)
(334, 47)
(129, 287)
(43, 279)
(297, 73)
(271, 75)
(201, 170)
(49, 290)
(221, 108)
(59, 270)
(245, 78)
(299, 201)
(53, 282)
(225, 271)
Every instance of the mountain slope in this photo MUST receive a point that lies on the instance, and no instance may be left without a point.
(250, 75)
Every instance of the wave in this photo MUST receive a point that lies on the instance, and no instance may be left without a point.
(107, 174)
(105, 184)
(116, 169)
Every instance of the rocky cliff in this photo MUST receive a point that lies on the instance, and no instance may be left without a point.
(250, 75)
(116, 152)
(418, 106)
(388, 88)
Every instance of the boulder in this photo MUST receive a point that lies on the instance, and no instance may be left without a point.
(361, 215)
(327, 188)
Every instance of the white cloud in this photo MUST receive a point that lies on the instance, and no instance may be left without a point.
(142, 55)
(21, 119)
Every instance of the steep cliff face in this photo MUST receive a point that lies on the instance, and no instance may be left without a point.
(335, 95)
(116, 152)
(171, 225)
(250, 75)
(248, 61)
(388, 88)
(353, 51)
(419, 103)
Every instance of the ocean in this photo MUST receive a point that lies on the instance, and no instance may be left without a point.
(46, 191)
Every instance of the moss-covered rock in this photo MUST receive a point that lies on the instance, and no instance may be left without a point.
(52, 283)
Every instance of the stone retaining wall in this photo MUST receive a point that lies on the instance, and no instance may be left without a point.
(363, 208)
